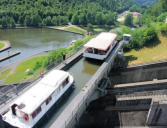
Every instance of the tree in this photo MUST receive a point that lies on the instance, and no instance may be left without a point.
(164, 29)
(110, 18)
(75, 19)
(129, 20)
(27, 20)
(54, 20)
(90, 27)
(82, 19)
(47, 21)
(4, 22)
(140, 20)
(150, 35)
(36, 20)
(12, 23)
(99, 18)
(164, 4)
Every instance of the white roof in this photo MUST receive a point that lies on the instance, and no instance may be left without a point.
(102, 41)
(37, 94)
(127, 35)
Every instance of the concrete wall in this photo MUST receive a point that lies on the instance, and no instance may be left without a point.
(139, 73)
(157, 114)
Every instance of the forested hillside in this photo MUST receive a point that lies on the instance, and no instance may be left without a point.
(60, 12)
(145, 2)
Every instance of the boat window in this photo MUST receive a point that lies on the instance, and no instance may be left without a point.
(48, 100)
(89, 50)
(36, 112)
(65, 82)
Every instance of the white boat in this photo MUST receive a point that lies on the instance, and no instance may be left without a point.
(100, 46)
(31, 106)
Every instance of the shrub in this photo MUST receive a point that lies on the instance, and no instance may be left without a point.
(150, 35)
(164, 29)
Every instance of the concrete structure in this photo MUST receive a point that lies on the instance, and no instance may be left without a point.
(10, 55)
(69, 117)
(157, 113)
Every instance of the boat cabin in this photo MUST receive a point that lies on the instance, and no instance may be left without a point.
(100, 46)
(29, 108)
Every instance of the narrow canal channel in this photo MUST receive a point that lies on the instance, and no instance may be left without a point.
(82, 71)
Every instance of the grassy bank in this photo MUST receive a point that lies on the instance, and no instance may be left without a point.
(4, 74)
(72, 28)
(76, 30)
(30, 69)
(24, 71)
(1, 45)
(148, 54)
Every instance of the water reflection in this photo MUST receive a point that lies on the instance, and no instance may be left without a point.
(36, 40)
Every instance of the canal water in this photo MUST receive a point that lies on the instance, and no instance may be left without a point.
(82, 72)
(34, 40)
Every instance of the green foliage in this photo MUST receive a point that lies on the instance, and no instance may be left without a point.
(143, 36)
(164, 29)
(136, 8)
(1, 44)
(75, 29)
(8, 22)
(4, 74)
(145, 2)
(162, 17)
(129, 20)
(57, 54)
(60, 12)
(90, 27)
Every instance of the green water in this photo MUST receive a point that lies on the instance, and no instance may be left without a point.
(35, 40)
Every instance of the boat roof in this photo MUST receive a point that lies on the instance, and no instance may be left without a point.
(37, 94)
(127, 35)
(102, 41)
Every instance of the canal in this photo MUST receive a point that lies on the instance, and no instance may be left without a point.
(82, 71)
(34, 40)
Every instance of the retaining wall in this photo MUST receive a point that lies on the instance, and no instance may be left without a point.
(140, 73)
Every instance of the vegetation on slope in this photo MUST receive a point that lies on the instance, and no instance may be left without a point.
(75, 29)
(60, 12)
(1, 45)
(148, 54)
(145, 2)
(4, 74)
